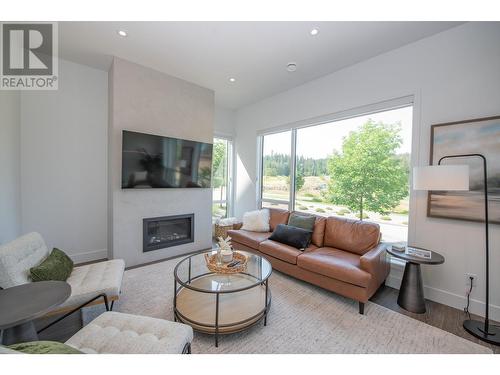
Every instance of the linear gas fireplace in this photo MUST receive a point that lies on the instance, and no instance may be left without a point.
(166, 231)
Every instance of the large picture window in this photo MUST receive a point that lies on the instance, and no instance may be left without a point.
(276, 168)
(357, 168)
(221, 178)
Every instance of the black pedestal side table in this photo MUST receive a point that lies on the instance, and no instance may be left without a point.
(411, 293)
(21, 304)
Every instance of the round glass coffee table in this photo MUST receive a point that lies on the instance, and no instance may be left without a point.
(216, 303)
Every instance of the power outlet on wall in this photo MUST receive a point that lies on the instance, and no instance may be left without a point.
(468, 280)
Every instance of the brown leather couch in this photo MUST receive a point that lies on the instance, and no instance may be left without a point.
(345, 256)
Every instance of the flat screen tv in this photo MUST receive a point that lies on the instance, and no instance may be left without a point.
(152, 161)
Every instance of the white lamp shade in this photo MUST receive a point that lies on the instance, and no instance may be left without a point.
(441, 177)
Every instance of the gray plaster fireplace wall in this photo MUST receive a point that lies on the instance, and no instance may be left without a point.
(148, 101)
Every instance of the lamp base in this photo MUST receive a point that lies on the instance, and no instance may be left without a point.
(476, 328)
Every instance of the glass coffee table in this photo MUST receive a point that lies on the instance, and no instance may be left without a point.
(218, 304)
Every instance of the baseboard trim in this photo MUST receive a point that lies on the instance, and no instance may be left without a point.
(89, 256)
(443, 296)
(165, 259)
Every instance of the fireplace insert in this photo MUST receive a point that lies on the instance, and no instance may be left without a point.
(167, 231)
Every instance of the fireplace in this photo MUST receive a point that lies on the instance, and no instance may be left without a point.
(166, 231)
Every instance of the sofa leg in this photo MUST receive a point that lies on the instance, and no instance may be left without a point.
(112, 304)
(361, 308)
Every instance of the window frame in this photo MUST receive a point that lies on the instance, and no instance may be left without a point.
(260, 172)
(383, 106)
(230, 174)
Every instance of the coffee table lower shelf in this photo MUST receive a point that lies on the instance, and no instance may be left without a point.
(233, 312)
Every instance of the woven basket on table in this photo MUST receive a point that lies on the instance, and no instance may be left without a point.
(221, 230)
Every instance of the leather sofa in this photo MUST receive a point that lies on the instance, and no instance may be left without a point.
(345, 256)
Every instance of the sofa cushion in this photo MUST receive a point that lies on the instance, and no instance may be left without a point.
(278, 216)
(18, 256)
(335, 263)
(118, 333)
(296, 237)
(256, 221)
(281, 251)
(355, 236)
(319, 231)
(247, 238)
(302, 221)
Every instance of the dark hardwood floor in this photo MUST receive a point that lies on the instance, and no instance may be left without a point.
(438, 315)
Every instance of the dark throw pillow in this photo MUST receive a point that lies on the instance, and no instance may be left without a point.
(57, 266)
(302, 221)
(292, 236)
(44, 347)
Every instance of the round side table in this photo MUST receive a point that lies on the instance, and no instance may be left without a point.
(23, 303)
(411, 292)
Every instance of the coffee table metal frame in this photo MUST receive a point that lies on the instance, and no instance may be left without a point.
(261, 315)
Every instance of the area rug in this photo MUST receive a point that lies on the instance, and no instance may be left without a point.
(303, 319)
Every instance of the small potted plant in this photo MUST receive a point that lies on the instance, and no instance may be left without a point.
(225, 251)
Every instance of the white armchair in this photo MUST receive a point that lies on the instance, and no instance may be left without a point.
(88, 283)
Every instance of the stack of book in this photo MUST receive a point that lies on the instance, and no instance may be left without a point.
(413, 251)
(420, 253)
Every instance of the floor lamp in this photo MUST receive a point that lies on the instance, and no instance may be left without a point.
(454, 178)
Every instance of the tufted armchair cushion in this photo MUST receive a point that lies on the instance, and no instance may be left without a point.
(18, 256)
(118, 333)
(88, 281)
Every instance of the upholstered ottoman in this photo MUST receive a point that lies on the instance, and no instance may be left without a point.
(118, 333)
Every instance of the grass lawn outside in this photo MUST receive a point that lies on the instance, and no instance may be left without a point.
(394, 226)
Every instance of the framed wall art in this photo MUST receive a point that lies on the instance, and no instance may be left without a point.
(464, 137)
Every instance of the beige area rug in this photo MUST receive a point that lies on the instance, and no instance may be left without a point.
(303, 319)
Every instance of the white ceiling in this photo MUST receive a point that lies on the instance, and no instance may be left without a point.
(255, 53)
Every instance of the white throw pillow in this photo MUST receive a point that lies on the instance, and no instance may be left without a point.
(256, 221)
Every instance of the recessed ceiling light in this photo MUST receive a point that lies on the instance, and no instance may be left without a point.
(314, 31)
(291, 67)
(232, 80)
(122, 33)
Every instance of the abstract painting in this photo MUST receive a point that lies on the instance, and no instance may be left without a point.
(466, 137)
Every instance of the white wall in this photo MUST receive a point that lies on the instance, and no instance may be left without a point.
(148, 101)
(224, 121)
(64, 162)
(454, 75)
(10, 200)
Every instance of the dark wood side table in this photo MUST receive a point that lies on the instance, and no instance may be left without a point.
(21, 304)
(411, 292)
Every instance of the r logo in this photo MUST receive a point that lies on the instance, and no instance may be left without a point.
(28, 58)
(27, 49)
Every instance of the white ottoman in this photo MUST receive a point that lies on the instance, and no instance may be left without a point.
(118, 333)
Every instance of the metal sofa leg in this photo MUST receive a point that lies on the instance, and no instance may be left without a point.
(112, 304)
(362, 308)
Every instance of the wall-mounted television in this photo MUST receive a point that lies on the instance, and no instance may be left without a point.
(152, 161)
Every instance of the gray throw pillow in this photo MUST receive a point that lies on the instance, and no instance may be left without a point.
(302, 221)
